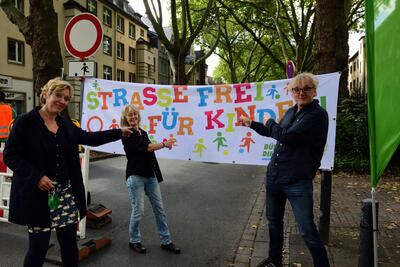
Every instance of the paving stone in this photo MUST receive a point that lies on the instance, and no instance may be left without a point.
(347, 194)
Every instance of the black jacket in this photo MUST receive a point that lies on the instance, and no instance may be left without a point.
(301, 140)
(24, 154)
(140, 161)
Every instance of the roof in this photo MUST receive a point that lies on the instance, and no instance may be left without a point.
(353, 57)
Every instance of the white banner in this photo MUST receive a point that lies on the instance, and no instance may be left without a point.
(203, 119)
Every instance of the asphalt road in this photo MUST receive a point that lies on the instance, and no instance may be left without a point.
(207, 207)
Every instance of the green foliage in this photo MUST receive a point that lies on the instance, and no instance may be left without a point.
(352, 143)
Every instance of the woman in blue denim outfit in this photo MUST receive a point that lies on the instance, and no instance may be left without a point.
(142, 177)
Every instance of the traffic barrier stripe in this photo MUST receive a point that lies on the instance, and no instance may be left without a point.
(5, 187)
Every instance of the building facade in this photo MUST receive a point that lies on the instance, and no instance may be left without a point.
(16, 63)
(128, 53)
(357, 70)
(164, 66)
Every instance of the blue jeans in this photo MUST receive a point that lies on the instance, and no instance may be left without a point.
(137, 187)
(300, 196)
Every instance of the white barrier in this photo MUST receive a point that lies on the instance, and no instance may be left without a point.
(5, 186)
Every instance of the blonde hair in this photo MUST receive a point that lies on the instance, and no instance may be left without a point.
(125, 111)
(300, 78)
(54, 85)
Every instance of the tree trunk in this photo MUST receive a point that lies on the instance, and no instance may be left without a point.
(46, 53)
(331, 41)
(178, 69)
(183, 36)
(41, 33)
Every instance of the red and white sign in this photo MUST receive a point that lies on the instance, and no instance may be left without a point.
(83, 35)
(290, 69)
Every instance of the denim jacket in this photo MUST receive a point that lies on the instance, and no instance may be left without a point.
(301, 139)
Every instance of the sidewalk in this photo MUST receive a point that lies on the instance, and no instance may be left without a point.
(347, 193)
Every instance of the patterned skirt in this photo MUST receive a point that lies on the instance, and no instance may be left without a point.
(65, 214)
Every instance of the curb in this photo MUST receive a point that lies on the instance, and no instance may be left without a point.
(244, 252)
(96, 156)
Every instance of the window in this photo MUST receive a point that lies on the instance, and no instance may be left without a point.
(107, 16)
(107, 45)
(131, 55)
(19, 4)
(163, 69)
(131, 77)
(141, 32)
(107, 73)
(120, 50)
(92, 6)
(154, 64)
(120, 75)
(149, 70)
(132, 31)
(120, 24)
(15, 51)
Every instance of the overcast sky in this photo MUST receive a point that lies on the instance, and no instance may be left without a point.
(138, 6)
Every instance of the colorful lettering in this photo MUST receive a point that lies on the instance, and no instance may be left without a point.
(259, 96)
(230, 122)
(282, 109)
(120, 95)
(203, 96)
(185, 122)
(219, 93)
(240, 112)
(104, 96)
(323, 102)
(147, 93)
(90, 120)
(91, 97)
(135, 100)
(240, 93)
(261, 113)
(214, 119)
(153, 123)
(174, 118)
(164, 94)
(178, 93)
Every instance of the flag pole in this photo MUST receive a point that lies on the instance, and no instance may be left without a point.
(374, 228)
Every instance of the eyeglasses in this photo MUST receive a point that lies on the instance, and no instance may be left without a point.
(305, 89)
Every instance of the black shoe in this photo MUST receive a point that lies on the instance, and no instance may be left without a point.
(268, 262)
(171, 248)
(138, 247)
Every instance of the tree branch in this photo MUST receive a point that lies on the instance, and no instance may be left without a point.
(278, 29)
(200, 60)
(158, 28)
(249, 30)
(18, 18)
(200, 25)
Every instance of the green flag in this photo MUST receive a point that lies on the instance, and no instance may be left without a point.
(383, 82)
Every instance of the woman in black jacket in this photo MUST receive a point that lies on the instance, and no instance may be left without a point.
(142, 177)
(47, 191)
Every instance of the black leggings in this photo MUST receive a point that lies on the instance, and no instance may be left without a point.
(39, 243)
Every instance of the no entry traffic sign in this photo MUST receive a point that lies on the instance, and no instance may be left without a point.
(83, 35)
(290, 69)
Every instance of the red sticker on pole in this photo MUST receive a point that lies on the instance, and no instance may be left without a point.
(290, 69)
(83, 35)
